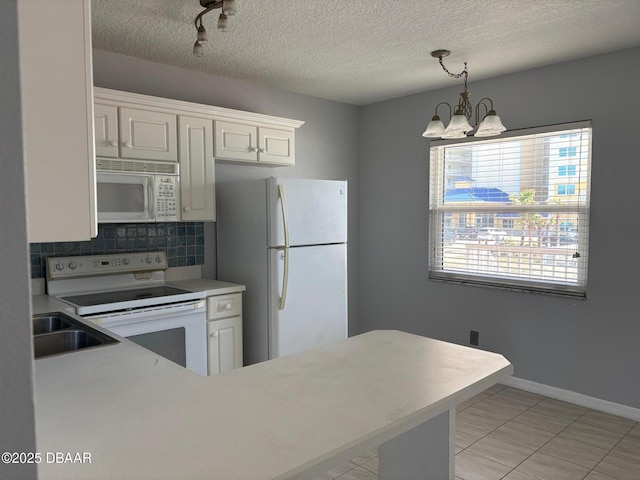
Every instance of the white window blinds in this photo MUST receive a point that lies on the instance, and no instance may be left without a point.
(513, 211)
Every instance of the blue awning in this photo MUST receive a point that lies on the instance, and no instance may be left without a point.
(476, 194)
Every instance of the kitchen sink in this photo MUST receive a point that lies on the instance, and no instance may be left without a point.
(57, 333)
(49, 323)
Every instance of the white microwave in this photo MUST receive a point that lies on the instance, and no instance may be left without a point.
(137, 191)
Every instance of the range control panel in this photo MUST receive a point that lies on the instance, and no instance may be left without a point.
(65, 267)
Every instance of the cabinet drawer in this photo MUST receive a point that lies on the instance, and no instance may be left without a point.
(224, 306)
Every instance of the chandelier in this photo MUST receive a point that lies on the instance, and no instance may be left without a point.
(227, 9)
(459, 125)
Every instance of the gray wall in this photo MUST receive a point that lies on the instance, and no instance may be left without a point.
(588, 346)
(17, 429)
(326, 145)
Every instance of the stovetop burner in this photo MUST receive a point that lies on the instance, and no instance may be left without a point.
(102, 298)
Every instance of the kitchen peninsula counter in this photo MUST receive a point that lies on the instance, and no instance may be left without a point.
(140, 416)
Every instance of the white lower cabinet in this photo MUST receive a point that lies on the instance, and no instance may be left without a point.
(224, 330)
(225, 345)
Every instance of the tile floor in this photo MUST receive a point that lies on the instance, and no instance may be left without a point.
(509, 434)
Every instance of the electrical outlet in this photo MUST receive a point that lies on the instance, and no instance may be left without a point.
(474, 337)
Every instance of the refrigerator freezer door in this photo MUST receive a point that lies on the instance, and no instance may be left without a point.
(316, 211)
(315, 311)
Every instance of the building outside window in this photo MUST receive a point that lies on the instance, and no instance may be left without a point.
(567, 151)
(566, 189)
(567, 170)
(502, 214)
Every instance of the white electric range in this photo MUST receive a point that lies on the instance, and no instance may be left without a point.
(127, 294)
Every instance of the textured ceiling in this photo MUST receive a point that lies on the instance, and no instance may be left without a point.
(365, 51)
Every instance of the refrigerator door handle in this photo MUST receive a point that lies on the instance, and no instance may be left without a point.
(285, 221)
(285, 278)
(285, 224)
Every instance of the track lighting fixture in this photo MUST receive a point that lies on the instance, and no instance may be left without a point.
(227, 9)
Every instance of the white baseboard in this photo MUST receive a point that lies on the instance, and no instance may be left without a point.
(576, 398)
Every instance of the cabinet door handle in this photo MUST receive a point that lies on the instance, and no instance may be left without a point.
(186, 209)
(253, 149)
(214, 335)
(227, 306)
(113, 143)
(261, 149)
(127, 145)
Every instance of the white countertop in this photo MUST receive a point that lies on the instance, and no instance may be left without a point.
(46, 304)
(209, 286)
(143, 417)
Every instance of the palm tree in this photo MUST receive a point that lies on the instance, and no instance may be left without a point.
(535, 222)
(527, 220)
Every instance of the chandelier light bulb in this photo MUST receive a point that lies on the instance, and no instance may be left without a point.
(198, 50)
(229, 7)
(223, 22)
(202, 34)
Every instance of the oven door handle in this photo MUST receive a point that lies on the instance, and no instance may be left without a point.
(142, 313)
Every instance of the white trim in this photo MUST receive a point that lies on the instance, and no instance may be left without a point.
(119, 98)
(573, 397)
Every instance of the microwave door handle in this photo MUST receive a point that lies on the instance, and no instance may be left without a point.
(151, 199)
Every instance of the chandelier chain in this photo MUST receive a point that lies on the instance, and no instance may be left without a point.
(464, 73)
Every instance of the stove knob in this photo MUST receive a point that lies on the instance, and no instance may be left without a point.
(125, 261)
(148, 260)
(158, 259)
(59, 266)
(72, 265)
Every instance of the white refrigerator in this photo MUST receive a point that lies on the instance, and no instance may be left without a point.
(286, 240)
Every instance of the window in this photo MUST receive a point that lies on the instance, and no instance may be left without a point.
(502, 214)
(567, 151)
(566, 189)
(567, 170)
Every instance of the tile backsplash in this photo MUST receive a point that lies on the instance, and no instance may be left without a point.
(183, 242)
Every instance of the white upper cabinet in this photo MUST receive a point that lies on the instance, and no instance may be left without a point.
(146, 128)
(135, 133)
(276, 146)
(236, 141)
(148, 135)
(57, 118)
(197, 169)
(105, 124)
(134, 126)
(254, 144)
